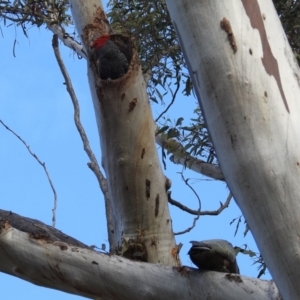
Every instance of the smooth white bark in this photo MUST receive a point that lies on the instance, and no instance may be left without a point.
(250, 99)
(139, 201)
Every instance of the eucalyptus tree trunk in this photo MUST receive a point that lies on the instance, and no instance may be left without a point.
(247, 82)
(141, 223)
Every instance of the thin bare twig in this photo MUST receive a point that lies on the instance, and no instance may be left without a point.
(93, 165)
(202, 213)
(170, 104)
(199, 210)
(44, 167)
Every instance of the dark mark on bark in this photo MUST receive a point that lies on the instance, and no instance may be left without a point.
(225, 25)
(156, 205)
(132, 104)
(148, 186)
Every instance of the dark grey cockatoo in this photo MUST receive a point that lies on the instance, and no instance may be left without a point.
(214, 255)
(113, 56)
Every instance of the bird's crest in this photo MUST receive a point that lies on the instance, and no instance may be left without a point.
(101, 41)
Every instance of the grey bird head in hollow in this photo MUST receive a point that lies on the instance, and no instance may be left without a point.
(214, 255)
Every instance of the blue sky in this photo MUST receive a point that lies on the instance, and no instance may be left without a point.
(35, 104)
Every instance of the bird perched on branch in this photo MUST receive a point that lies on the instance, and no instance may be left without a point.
(113, 55)
(214, 255)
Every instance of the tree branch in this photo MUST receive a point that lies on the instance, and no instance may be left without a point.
(45, 169)
(202, 213)
(199, 210)
(68, 40)
(180, 156)
(171, 103)
(43, 15)
(94, 166)
(44, 256)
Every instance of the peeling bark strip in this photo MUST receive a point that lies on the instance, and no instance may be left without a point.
(269, 62)
(225, 25)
